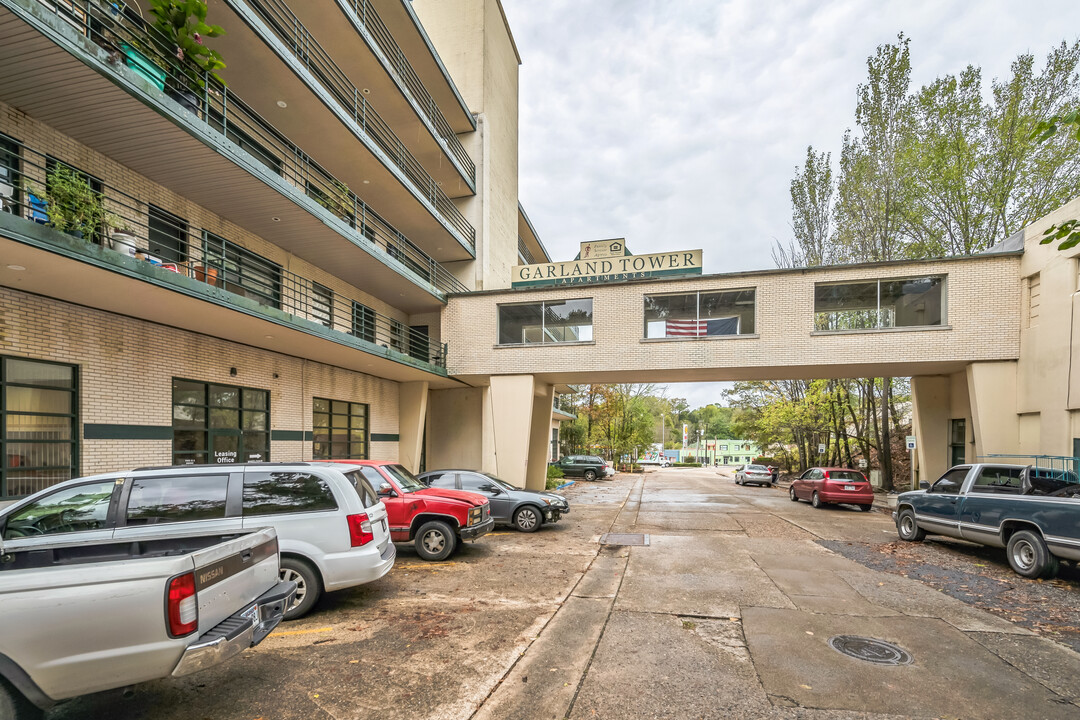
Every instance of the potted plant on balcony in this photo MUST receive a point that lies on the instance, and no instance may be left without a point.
(72, 206)
(182, 27)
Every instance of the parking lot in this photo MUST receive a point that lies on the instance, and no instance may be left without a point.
(727, 611)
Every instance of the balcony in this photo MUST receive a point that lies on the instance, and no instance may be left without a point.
(212, 147)
(378, 64)
(288, 77)
(104, 248)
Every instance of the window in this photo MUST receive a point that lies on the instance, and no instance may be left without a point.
(476, 483)
(397, 335)
(374, 478)
(419, 342)
(243, 272)
(368, 495)
(38, 432)
(183, 498)
(957, 448)
(52, 166)
(998, 480)
(270, 493)
(910, 302)
(340, 430)
(168, 236)
(363, 322)
(73, 509)
(555, 321)
(10, 176)
(700, 314)
(322, 305)
(219, 423)
(951, 482)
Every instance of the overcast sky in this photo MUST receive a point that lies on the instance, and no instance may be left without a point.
(677, 124)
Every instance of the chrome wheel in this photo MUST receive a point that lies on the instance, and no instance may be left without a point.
(434, 541)
(1023, 555)
(527, 519)
(907, 526)
(288, 574)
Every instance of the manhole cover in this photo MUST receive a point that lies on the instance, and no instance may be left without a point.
(624, 539)
(870, 650)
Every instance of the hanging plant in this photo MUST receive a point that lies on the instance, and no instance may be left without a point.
(182, 25)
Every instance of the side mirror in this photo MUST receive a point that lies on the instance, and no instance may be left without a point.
(923, 485)
(492, 489)
(386, 489)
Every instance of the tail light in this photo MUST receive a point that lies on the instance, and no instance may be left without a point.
(183, 607)
(360, 533)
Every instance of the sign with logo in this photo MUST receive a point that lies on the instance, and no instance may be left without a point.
(607, 261)
(910, 442)
(862, 463)
(684, 429)
(821, 448)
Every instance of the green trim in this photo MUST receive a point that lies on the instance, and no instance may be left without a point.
(100, 431)
(601, 279)
(384, 437)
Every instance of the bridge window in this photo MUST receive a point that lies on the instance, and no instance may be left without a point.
(545, 323)
(907, 302)
(700, 314)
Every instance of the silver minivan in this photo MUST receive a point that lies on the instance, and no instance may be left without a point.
(331, 525)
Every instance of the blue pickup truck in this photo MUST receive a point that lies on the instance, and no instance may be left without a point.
(1032, 512)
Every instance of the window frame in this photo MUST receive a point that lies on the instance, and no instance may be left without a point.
(224, 255)
(269, 472)
(11, 162)
(697, 313)
(317, 453)
(74, 416)
(181, 226)
(123, 510)
(943, 320)
(206, 429)
(543, 322)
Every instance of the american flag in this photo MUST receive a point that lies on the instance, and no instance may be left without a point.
(701, 328)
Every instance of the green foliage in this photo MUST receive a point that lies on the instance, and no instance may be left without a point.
(182, 24)
(1068, 232)
(552, 483)
(72, 205)
(554, 472)
(686, 464)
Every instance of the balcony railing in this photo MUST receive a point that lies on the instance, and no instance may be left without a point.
(365, 14)
(142, 48)
(308, 51)
(524, 255)
(44, 189)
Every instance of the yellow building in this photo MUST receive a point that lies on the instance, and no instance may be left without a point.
(316, 258)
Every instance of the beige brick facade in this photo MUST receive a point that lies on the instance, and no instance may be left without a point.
(126, 366)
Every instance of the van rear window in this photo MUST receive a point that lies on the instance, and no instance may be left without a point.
(270, 493)
(368, 495)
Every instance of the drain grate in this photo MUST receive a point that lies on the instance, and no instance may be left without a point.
(624, 539)
(870, 650)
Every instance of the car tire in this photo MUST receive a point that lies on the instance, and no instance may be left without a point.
(738, 481)
(866, 508)
(816, 501)
(528, 519)
(15, 706)
(308, 585)
(907, 528)
(590, 475)
(435, 541)
(1029, 556)
(791, 494)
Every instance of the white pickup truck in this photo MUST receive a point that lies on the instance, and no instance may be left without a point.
(81, 617)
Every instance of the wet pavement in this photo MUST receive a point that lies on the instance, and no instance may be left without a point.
(727, 612)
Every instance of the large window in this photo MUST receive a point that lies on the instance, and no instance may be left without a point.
(363, 322)
(168, 236)
(700, 314)
(910, 302)
(38, 429)
(219, 423)
(184, 498)
(271, 493)
(243, 272)
(340, 430)
(554, 321)
(10, 178)
(957, 445)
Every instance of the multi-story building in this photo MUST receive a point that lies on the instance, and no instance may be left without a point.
(195, 269)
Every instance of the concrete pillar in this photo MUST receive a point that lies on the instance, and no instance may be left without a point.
(992, 391)
(412, 414)
(511, 415)
(539, 437)
(455, 429)
(930, 409)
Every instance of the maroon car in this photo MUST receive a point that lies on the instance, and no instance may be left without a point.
(831, 486)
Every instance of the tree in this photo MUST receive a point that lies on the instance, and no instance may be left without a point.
(811, 202)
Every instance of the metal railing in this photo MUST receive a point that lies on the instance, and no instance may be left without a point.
(105, 215)
(366, 15)
(139, 46)
(308, 51)
(524, 255)
(1054, 465)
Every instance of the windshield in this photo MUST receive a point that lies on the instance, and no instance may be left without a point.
(846, 475)
(405, 479)
(501, 483)
(760, 468)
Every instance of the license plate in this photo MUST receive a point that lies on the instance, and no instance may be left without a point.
(849, 487)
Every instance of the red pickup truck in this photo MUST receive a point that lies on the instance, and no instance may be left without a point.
(435, 520)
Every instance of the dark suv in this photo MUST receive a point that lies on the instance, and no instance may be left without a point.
(588, 467)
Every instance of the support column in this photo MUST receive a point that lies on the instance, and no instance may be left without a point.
(412, 414)
(511, 402)
(996, 424)
(539, 437)
(930, 407)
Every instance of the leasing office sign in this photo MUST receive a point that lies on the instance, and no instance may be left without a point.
(607, 261)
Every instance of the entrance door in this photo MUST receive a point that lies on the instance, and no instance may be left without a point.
(225, 445)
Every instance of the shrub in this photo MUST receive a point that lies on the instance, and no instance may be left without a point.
(554, 472)
(765, 461)
(686, 464)
(553, 483)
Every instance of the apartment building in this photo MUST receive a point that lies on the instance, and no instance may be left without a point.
(197, 268)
